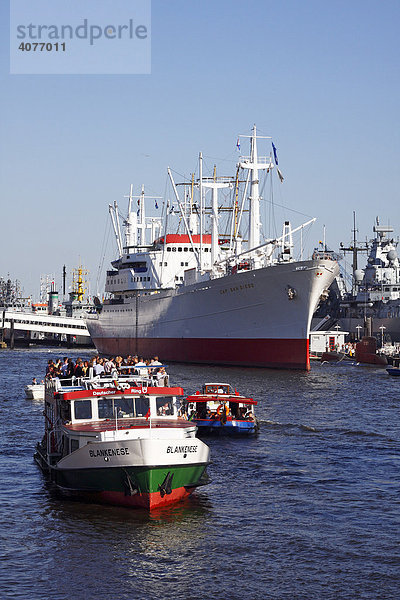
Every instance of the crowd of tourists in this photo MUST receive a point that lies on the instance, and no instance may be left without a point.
(66, 368)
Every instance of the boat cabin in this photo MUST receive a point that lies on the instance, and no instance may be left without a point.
(217, 388)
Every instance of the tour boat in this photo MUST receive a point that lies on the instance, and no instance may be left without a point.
(120, 440)
(219, 409)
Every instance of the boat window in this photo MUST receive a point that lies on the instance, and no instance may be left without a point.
(139, 267)
(185, 249)
(168, 249)
(65, 410)
(83, 409)
(141, 406)
(164, 406)
(123, 407)
(173, 249)
(74, 445)
(179, 249)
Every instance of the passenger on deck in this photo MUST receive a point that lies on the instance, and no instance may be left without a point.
(141, 363)
(78, 372)
(109, 365)
(85, 368)
(64, 367)
(71, 368)
(162, 377)
(98, 368)
(50, 366)
(155, 362)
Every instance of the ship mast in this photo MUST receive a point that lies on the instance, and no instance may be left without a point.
(131, 223)
(215, 185)
(139, 218)
(354, 249)
(201, 208)
(255, 164)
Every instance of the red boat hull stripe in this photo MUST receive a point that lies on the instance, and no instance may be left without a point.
(275, 353)
(148, 501)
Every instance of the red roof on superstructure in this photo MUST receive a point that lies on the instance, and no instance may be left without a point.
(183, 238)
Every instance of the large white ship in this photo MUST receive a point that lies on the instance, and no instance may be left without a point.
(198, 291)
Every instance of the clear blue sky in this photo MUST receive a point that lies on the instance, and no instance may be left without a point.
(322, 78)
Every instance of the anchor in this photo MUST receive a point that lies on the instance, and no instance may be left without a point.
(165, 487)
(130, 487)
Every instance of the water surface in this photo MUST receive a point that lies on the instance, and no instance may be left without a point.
(307, 510)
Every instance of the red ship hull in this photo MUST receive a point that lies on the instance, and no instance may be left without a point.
(278, 353)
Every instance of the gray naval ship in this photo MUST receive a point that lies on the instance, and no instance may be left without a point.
(375, 290)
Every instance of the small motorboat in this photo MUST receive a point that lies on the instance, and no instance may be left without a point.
(34, 391)
(218, 409)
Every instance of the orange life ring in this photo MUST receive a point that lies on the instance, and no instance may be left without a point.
(221, 409)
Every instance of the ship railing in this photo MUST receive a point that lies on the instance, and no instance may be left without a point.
(320, 254)
(261, 160)
(128, 380)
(135, 378)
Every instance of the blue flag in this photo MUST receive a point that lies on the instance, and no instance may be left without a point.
(275, 154)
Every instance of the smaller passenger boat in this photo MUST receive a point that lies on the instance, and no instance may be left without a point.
(218, 409)
(34, 391)
(120, 440)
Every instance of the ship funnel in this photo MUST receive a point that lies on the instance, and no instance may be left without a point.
(53, 302)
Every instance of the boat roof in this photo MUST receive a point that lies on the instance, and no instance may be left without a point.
(81, 394)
